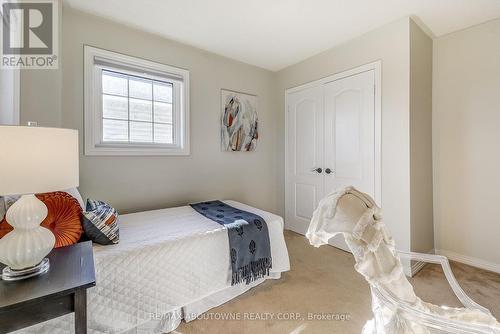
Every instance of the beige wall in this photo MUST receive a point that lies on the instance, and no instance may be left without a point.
(465, 118)
(466, 134)
(422, 227)
(40, 93)
(41, 97)
(391, 45)
(140, 183)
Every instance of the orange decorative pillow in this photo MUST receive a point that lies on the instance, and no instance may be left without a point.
(4, 228)
(63, 218)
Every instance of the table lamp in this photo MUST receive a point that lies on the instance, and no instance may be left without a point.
(33, 160)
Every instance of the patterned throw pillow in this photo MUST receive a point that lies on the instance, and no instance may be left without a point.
(100, 223)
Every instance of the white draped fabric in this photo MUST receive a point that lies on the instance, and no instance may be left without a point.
(396, 307)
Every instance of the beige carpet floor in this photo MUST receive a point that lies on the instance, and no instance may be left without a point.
(323, 294)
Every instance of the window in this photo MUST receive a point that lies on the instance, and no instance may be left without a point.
(134, 106)
(136, 109)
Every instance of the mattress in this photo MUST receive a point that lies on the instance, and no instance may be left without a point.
(170, 264)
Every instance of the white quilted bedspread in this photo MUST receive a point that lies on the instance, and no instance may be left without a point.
(166, 259)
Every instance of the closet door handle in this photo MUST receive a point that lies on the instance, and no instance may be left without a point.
(317, 170)
(329, 171)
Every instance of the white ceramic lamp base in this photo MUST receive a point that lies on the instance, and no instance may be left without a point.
(23, 249)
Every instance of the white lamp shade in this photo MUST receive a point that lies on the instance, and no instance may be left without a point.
(37, 160)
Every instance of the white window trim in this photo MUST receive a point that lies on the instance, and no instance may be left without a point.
(10, 90)
(93, 108)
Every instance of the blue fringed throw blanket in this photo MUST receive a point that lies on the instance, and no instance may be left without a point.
(248, 240)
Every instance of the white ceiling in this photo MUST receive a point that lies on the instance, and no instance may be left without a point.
(276, 33)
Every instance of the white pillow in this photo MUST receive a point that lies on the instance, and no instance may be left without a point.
(76, 194)
(9, 200)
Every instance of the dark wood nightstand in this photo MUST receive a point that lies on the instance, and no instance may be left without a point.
(62, 290)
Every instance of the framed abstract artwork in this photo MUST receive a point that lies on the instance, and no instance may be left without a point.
(239, 121)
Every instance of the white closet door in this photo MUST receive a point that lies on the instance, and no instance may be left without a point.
(350, 133)
(350, 136)
(304, 184)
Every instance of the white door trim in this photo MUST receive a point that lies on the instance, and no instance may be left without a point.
(377, 68)
(17, 98)
(10, 101)
(10, 90)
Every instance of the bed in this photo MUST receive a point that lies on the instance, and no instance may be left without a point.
(170, 264)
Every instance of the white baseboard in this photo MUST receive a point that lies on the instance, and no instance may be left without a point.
(337, 242)
(471, 261)
(416, 266)
(409, 269)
